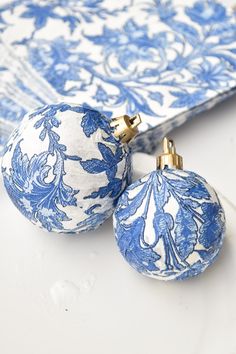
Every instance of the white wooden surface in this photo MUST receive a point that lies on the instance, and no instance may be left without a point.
(62, 294)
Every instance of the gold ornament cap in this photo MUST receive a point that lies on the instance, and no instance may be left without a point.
(126, 127)
(169, 158)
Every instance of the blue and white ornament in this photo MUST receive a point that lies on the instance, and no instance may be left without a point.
(66, 165)
(170, 223)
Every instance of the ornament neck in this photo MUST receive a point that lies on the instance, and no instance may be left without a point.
(125, 127)
(169, 158)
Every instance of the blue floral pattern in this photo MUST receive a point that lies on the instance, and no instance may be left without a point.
(56, 189)
(207, 13)
(169, 224)
(154, 57)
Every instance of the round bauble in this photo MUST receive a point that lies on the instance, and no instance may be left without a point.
(64, 168)
(169, 224)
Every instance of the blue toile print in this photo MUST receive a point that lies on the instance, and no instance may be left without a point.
(169, 224)
(64, 169)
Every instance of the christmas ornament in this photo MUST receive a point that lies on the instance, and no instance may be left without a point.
(66, 165)
(170, 223)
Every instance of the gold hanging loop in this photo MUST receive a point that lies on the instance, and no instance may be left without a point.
(125, 127)
(169, 158)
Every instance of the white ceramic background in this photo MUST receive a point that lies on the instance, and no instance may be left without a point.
(78, 296)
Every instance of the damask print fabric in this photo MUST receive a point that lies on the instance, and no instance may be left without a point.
(164, 59)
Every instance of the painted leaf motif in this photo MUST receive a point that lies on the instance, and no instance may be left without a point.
(136, 103)
(111, 172)
(72, 22)
(212, 228)
(107, 153)
(188, 100)
(157, 96)
(92, 121)
(188, 31)
(113, 189)
(108, 164)
(162, 223)
(25, 171)
(134, 203)
(207, 13)
(160, 188)
(33, 196)
(94, 166)
(190, 186)
(229, 59)
(185, 232)
(195, 269)
(111, 159)
(198, 191)
(40, 14)
(141, 258)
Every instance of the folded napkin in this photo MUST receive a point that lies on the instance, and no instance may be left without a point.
(164, 59)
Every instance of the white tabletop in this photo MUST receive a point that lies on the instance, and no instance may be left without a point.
(68, 294)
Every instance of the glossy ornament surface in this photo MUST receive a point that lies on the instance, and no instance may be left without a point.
(169, 224)
(64, 169)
